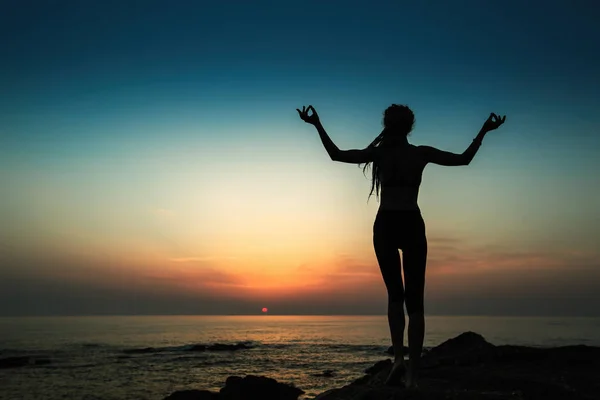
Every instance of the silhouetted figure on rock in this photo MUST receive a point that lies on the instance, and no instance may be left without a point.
(397, 169)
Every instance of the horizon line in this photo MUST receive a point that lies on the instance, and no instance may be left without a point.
(291, 315)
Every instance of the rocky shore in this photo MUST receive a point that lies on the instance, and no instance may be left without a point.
(466, 367)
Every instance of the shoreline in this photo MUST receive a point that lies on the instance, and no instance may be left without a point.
(463, 367)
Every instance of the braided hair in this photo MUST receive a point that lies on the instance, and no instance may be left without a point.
(398, 121)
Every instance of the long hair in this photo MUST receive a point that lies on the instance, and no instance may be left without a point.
(398, 121)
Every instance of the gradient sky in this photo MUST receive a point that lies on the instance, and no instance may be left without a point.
(152, 161)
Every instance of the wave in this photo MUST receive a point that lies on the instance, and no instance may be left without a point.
(193, 348)
(248, 345)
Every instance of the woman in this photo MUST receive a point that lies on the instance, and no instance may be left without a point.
(397, 168)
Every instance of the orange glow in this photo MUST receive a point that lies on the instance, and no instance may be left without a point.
(265, 309)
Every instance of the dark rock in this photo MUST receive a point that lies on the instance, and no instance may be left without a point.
(192, 348)
(466, 349)
(233, 380)
(363, 380)
(253, 387)
(140, 351)
(228, 347)
(193, 395)
(22, 361)
(219, 347)
(466, 367)
(378, 366)
(41, 361)
(14, 362)
(197, 347)
(326, 374)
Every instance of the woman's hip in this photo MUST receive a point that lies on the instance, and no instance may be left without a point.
(400, 228)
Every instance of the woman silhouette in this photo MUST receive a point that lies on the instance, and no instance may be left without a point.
(397, 168)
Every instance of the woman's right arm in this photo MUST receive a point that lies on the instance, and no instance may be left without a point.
(440, 157)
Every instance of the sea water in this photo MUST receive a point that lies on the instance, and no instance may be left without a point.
(91, 357)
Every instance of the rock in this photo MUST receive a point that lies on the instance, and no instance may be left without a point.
(193, 348)
(253, 387)
(140, 351)
(378, 366)
(326, 374)
(228, 347)
(219, 347)
(197, 347)
(389, 393)
(466, 367)
(193, 395)
(14, 362)
(41, 361)
(466, 349)
(351, 393)
(22, 361)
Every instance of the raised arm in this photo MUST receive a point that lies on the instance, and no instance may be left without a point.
(440, 157)
(347, 156)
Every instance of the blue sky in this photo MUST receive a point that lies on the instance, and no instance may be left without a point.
(114, 111)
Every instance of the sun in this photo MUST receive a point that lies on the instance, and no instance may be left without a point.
(265, 309)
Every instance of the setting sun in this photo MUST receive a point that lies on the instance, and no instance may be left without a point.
(265, 309)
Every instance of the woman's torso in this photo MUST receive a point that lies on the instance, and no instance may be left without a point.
(400, 173)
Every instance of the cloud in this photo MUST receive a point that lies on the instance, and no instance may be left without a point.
(197, 278)
(200, 259)
(483, 280)
(341, 277)
(58, 286)
(455, 256)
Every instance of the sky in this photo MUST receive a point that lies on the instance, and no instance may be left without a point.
(152, 160)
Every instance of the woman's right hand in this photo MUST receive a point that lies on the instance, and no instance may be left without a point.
(493, 122)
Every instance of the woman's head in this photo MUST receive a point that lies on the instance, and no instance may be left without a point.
(398, 122)
(398, 119)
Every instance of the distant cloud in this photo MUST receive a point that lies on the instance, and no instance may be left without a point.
(203, 277)
(304, 267)
(460, 257)
(461, 279)
(343, 273)
(199, 259)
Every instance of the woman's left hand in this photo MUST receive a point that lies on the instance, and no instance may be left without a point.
(309, 119)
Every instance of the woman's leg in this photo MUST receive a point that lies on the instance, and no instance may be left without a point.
(415, 258)
(388, 258)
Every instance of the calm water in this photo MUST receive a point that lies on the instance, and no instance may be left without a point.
(89, 359)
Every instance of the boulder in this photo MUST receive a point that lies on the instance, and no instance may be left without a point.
(253, 387)
(22, 361)
(193, 395)
(325, 374)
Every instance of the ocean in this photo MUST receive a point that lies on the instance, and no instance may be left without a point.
(149, 357)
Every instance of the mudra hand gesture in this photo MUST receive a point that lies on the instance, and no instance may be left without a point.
(309, 119)
(493, 122)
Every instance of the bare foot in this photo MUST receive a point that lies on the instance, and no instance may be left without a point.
(410, 381)
(395, 376)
